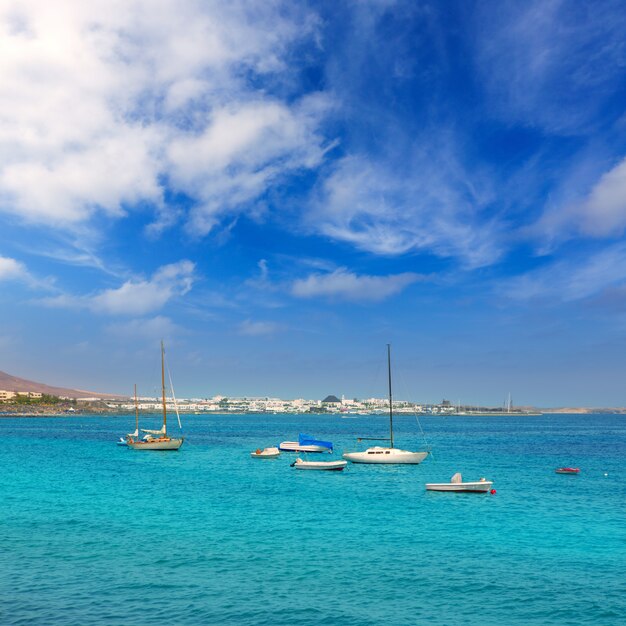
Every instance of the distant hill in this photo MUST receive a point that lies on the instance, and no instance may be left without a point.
(12, 383)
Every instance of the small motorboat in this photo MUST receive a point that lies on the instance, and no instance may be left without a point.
(456, 484)
(333, 466)
(567, 470)
(122, 442)
(266, 453)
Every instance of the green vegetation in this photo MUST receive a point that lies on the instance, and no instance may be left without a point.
(29, 401)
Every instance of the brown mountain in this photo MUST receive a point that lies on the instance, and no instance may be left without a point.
(12, 383)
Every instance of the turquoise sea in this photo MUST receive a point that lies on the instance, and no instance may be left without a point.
(92, 533)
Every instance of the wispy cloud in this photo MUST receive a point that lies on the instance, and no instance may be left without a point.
(159, 327)
(345, 285)
(429, 205)
(135, 297)
(549, 63)
(14, 270)
(257, 328)
(69, 251)
(262, 279)
(573, 278)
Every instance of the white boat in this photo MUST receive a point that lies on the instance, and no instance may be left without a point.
(266, 453)
(387, 455)
(122, 442)
(306, 443)
(379, 454)
(333, 466)
(456, 484)
(157, 439)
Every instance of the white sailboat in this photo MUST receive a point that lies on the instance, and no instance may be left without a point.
(155, 439)
(386, 455)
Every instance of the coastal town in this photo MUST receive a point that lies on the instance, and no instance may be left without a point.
(330, 404)
(37, 402)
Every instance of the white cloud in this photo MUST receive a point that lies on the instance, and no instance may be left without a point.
(10, 269)
(604, 212)
(135, 297)
(345, 285)
(100, 103)
(258, 328)
(599, 212)
(242, 151)
(427, 205)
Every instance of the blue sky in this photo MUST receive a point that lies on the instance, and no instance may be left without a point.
(280, 189)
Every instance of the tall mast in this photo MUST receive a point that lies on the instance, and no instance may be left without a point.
(163, 386)
(136, 412)
(390, 396)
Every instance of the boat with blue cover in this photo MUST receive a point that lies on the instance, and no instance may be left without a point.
(306, 443)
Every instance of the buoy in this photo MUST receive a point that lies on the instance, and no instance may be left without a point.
(605, 473)
(493, 492)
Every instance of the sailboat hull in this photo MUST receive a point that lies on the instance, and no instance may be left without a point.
(386, 456)
(163, 444)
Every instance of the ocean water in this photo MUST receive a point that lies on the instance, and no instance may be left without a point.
(92, 533)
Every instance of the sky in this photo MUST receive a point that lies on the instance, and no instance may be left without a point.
(279, 189)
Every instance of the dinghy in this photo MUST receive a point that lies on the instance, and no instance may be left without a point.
(456, 484)
(266, 453)
(567, 470)
(333, 466)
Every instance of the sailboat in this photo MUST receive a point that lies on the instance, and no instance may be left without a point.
(390, 455)
(155, 439)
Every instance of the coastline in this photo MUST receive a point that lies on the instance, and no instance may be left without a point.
(122, 413)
